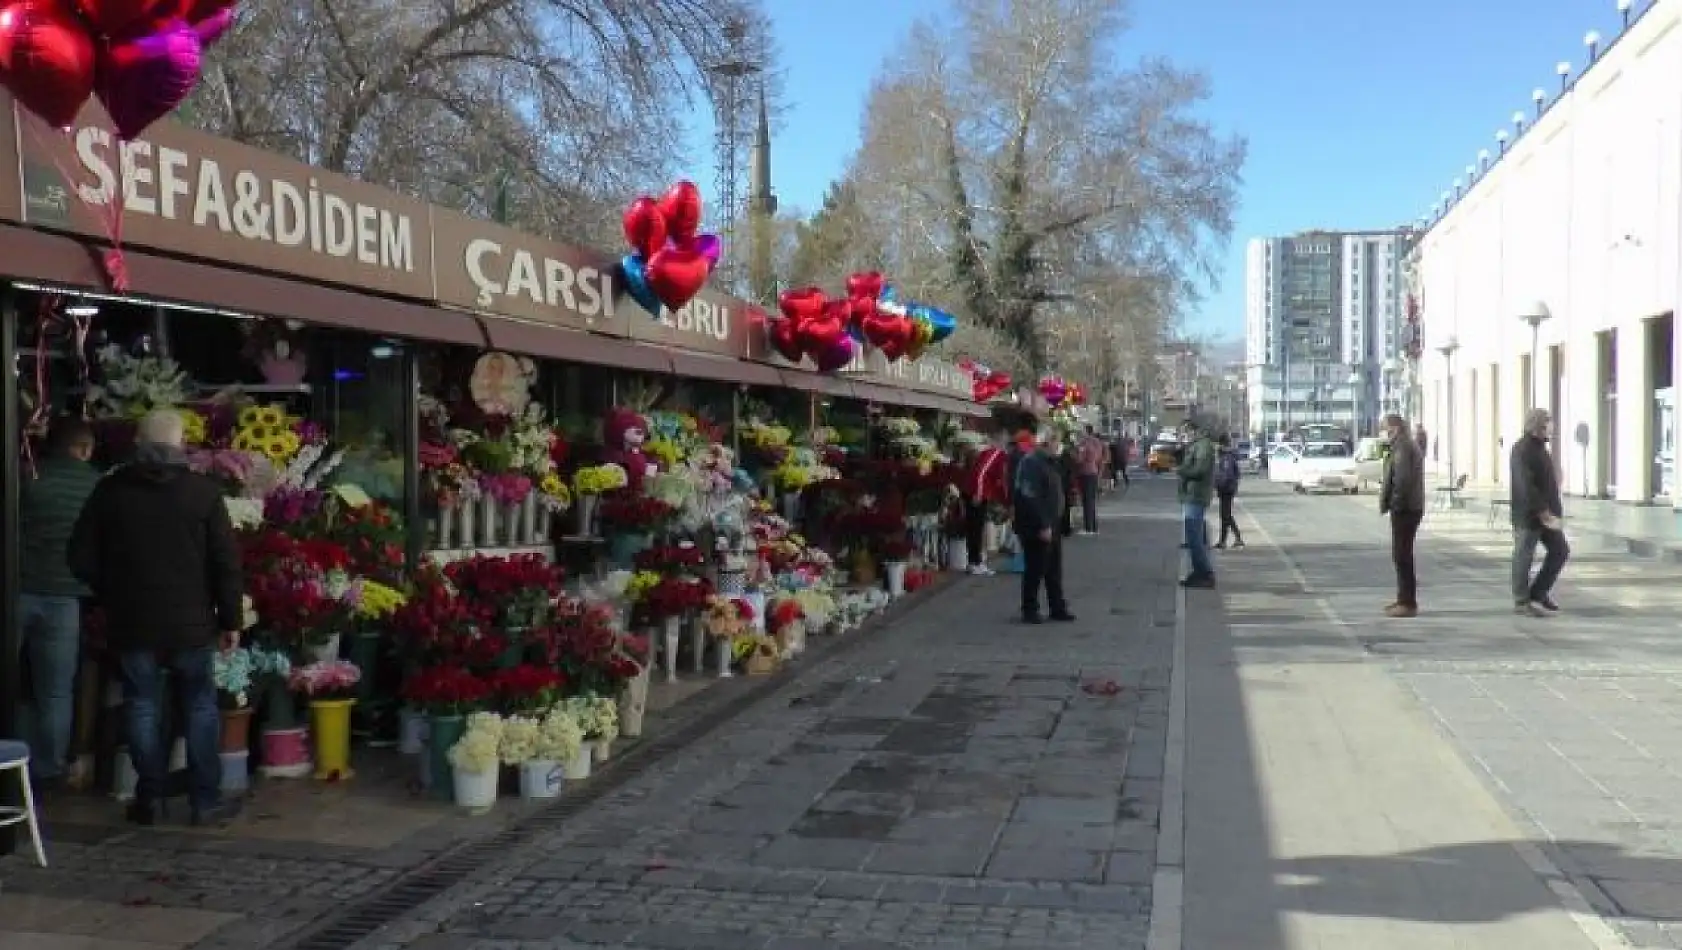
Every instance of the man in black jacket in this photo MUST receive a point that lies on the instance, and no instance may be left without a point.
(1402, 497)
(156, 547)
(1039, 499)
(1538, 511)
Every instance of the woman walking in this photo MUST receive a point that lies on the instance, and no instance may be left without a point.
(1226, 488)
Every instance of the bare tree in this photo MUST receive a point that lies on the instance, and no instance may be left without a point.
(554, 107)
(1007, 143)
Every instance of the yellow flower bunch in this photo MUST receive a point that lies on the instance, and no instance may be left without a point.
(379, 601)
(553, 486)
(663, 451)
(766, 436)
(599, 479)
(193, 431)
(641, 583)
(825, 435)
(267, 430)
(790, 477)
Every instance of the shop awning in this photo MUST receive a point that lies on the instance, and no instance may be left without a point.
(557, 343)
(40, 256)
(725, 369)
(821, 383)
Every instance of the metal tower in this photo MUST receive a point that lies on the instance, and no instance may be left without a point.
(735, 75)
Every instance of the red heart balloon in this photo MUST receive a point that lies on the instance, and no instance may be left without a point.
(681, 204)
(784, 340)
(878, 328)
(47, 59)
(802, 304)
(839, 354)
(818, 334)
(863, 308)
(120, 18)
(645, 226)
(676, 275)
(865, 284)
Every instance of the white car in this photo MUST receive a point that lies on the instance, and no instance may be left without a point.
(1317, 466)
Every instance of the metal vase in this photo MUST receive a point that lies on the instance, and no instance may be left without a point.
(531, 525)
(490, 522)
(587, 515)
(513, 525)
(467, 526)
(446, 527)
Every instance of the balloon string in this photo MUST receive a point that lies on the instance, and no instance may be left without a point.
(110, 217)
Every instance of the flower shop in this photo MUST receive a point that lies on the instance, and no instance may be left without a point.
(498, 499)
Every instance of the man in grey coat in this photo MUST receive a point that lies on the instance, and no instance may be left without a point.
(1402, 497)
(1538, 513)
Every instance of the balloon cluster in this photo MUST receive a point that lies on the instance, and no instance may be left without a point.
(1059, 392)
(989, 383)
(139, 57)
(830, 331)
(670, 260)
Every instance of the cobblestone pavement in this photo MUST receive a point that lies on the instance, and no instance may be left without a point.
(1575, 720)
(960, 781)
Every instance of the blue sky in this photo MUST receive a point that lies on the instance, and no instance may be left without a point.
(1358, 115)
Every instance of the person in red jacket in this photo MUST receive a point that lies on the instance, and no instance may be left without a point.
(985, 482)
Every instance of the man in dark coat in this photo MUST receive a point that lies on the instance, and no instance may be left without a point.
(1538, 512)
(155, 545)
(1039, 499)
(1402, 497)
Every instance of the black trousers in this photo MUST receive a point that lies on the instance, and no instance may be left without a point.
(1228, 522)
(975, 530)
(1089, 503)
(1042, 565)
(1404, 527)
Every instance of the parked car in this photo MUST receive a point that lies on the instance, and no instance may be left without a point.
(1369, 460)
(1317, 466)
(1163, 457)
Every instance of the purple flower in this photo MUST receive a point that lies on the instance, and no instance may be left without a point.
(286, 506)
(310, 432)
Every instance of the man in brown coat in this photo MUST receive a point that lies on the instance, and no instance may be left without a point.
(1403, 499)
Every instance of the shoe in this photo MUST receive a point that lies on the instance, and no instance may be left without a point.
(216, 815)
(141, 813)
(1401, 611)
(1239, 546)
(1199, 582)
(981, 570)
(1528, 609)
(1546, 603)
(1221, 546)
(1063, 617)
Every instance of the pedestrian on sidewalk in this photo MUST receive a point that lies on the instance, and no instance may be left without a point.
(1039, 500)
(1227, 475)
(155, 545)
(1118, 462)
(1402, 497)
(1197, 489)
(1092, 457)
(1538, 512)
(984, 485)
(50, 597)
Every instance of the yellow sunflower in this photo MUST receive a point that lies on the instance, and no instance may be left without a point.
(248, 416)
(272, 416)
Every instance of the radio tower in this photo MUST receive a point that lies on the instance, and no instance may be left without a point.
(736, 75)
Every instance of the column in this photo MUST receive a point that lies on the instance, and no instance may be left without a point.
(1581, 414)
(1634, 416)
(1676, 416)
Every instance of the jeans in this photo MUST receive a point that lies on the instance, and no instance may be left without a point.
(1197, 539)
(1228, 522)
(975, 530)
(1404, 527)
(1089, 503)
(52, 646)
(194, 692)
(1552, 540)
(1042, 563)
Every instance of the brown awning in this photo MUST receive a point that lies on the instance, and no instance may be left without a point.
(824, 383)
(28, 254)
(558, 343)
(726, 370)
(877, 393)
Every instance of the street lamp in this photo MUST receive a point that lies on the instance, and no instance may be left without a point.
(1623, 10)
(1564, 70)
(1355, 394)
(1535, 314)
(1592, 41)
(1539, 96)
(1447, 349)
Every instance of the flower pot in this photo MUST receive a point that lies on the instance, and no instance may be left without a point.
(467, 526)
(325, 651)
(236, 771)
(794, 636)
(633, 704)
(474, 789)
(725, 659)
(577, 768)
(541, 779)
(895, 571)
(530, 523)
(600, 750)
(330, 726)
(444, 528)
(957, 554)
(411, 732)
(286, 753)
(236, 730)
(442, 733)
(671, 632)
(585, 506)
(490, 522)
(760, 665)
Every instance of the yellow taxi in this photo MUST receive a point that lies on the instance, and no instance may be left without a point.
(1163, 457)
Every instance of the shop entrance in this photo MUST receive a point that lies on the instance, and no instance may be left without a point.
(1661, 340)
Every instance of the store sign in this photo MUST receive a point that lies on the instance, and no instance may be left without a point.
(183, 192)
(492, 269)
(939, 376)
(711, 323)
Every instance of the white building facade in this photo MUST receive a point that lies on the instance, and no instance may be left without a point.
(1572, 228)
(1324, 318)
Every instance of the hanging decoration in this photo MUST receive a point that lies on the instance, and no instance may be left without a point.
(670, 261)
(989, 383)
(1054, 390)
(925, 325)
(815, 327)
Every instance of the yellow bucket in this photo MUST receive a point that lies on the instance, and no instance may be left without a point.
(330, 730)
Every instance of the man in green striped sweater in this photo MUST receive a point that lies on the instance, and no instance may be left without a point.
(50, 608)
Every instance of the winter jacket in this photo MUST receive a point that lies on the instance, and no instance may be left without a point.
(1227, 473)
(986, 478)
(1403, 487)
(1038, 494)
(155, 545)
(50, 505)
(1197, 473)
(1535, 483)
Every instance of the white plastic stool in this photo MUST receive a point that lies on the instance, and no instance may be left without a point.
(14, 757)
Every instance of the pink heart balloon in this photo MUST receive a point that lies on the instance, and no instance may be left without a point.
(213, 27)
(710, 247)
(837, 355)
(142, 80)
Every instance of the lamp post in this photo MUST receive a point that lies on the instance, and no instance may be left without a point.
(1535, 314)
(1447, 349)
(1356, 381)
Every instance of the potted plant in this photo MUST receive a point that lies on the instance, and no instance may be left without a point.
(231, 671)
(896, 553)
(284, 740)
(445, 694)
(630, 522)
(598, 720)
(519, 750)
(726, 619)
(525, 689)
(665, 605)
(589, 484)
(330, 687)
(785, 619)
(474, 759)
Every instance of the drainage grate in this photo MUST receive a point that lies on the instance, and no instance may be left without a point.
(432, 879)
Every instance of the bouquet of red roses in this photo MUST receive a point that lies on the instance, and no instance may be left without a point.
(671, 558)
(631, 513)
(434, 625)
(784, 612)
(516, 592)
(447, 690)
(672, 597)
(526, 688)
